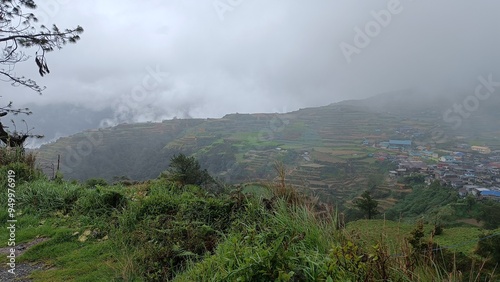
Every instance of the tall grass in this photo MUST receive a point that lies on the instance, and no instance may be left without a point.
(163, 232)
(44, 198)
(16, 155)
(288, 241)
(291, 237)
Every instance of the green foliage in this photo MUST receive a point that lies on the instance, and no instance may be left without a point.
(158, 231)
(289, 244)
(59, 178)
(95, 203)
(414, 179)
(186, 170)
(489, 247)
(95, 182)
(423, 200)
(23, 173)
(367, 205)
(44, 198)
(385, 166)
(350, 262)
(19, 162)
(485, 211)
(375, 180)
(414, 249)
(16, 155)
(173, 226)
(438, 229)
(416, 238)
(441, 206)
(72, 260)
(489, 213)
(347, 262)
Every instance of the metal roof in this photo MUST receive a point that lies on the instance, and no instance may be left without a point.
(490, 193)
(400, 142)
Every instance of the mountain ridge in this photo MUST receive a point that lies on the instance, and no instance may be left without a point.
(243, 147)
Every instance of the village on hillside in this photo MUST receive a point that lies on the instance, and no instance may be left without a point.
(472, 170)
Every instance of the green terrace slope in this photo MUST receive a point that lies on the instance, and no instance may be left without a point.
(321, 147)
(127, 149)
(248, 140)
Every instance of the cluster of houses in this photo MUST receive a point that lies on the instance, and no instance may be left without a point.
(472, 170)
(396, 144)
(469, 174)
(481, 192)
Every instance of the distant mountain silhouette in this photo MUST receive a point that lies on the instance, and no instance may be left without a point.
(243, 147)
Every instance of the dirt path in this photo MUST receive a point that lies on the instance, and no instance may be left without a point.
(471, 221)
(23, 270)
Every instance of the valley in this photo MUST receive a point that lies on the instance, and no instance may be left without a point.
(334, 151)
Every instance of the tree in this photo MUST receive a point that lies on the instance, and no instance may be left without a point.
(367, 205)
(489, 213)
(18, 33)
(489, 247)
(186, 170)
(15, 139)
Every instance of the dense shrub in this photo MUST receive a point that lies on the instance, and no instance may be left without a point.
(42, 197)
(95, 182)
(489, 213)
(157, 205)
(166, 232)
(489, 247)
(172, 226)
(422, 200)
(414, 179)
(96, 203)
(16, 155)
(23, 173)
(288, 243)
(167, 245)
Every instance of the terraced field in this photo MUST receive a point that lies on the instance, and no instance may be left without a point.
(321, 147)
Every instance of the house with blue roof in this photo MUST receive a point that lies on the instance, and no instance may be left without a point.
(490, 194)
(399, 144)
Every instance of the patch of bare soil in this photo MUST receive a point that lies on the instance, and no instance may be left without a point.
(471, 221)
(22, 270)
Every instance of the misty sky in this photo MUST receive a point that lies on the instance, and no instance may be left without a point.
(227, 56)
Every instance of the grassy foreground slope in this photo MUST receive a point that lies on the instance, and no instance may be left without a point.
(158, 231)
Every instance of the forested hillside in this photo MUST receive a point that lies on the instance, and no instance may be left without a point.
(330, 150)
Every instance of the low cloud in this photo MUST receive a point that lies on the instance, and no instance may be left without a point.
(263, 56)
